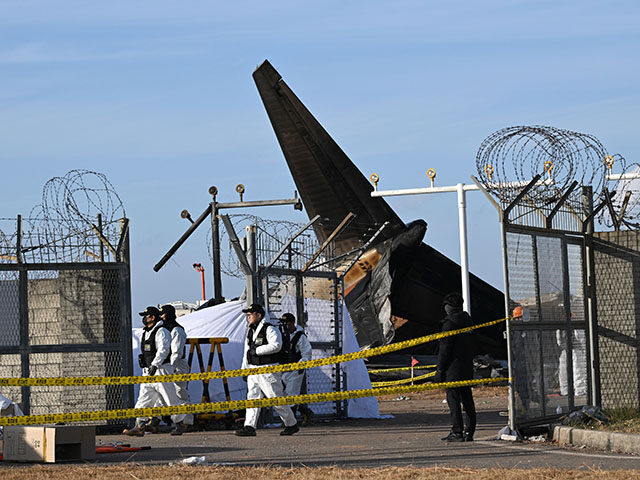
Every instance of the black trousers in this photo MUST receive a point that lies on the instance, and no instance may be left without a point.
(458, 399)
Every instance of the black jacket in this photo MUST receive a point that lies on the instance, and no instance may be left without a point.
(455, 355)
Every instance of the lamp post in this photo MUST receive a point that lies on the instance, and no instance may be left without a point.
(200, 268)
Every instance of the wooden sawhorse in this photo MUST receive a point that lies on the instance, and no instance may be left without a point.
(195, 346)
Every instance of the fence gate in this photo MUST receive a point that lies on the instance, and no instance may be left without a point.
(549, 354)
(577, 341)
(313, 298)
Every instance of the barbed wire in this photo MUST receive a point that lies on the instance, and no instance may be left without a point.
(631, 217)
(75, 200)
(272, 235)
(517, 154)
(60, 227)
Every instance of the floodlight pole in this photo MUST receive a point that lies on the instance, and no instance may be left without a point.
(460, 189)
(213, 210)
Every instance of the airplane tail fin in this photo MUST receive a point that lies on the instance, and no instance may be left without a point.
(330, 185)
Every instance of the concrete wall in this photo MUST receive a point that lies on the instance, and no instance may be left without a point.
(68, 307)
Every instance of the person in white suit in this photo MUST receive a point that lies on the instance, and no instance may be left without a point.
(261, 348)
(296, 348)
(155, 359)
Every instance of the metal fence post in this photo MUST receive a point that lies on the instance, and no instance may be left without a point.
(592, 320)
(124, 284)
(23, 299)
(505, 273)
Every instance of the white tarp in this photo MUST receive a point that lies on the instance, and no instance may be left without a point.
(227, 320)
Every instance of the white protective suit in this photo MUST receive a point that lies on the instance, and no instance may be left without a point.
(293, 380)
(162, 393)
(579, 363)
(266, 385)
(178, 340)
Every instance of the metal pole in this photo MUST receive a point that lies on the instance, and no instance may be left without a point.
(23, 306)
(19, 239)
(461, 189)
(100, 243)
(215, 239)
(464, 253)
(592, 317)
(182, 239)
(250, 253)
(505, 273)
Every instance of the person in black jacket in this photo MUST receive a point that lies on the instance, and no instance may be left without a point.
(455, 363)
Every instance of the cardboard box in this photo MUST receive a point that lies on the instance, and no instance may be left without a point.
(49, 444)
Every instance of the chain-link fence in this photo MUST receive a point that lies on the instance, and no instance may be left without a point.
(65, 297)
(579, 299)
(548, 339)
(573, 294)
(313, 298)
(66, 320)
(617, 294)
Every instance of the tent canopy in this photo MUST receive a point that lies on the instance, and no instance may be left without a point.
(227, 320)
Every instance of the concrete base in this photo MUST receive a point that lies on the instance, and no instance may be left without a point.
(602, 440)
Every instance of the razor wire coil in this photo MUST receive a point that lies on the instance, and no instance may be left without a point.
(61, 227)
(517, 154)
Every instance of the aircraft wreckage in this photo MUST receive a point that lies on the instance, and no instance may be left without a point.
(395, 291)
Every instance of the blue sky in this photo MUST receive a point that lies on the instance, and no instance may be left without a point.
(158, 96)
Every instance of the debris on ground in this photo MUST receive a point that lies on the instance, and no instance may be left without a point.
(587, 415)
(195, 461)
(485, 366)
(508, 434)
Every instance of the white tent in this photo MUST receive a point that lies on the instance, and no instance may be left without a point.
(227, 320)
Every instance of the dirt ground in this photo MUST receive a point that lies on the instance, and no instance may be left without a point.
(487, 398)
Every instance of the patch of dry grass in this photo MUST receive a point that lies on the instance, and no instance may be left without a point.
(623, 420)
(136, 472)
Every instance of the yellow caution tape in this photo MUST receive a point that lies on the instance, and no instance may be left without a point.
(401, 369)
(79, 381)
(232, 405)
(402, 381)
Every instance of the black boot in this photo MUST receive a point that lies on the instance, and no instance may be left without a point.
(307, 414)
(290, 430)
(177, 429)
(453, 437)
(246, 431)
